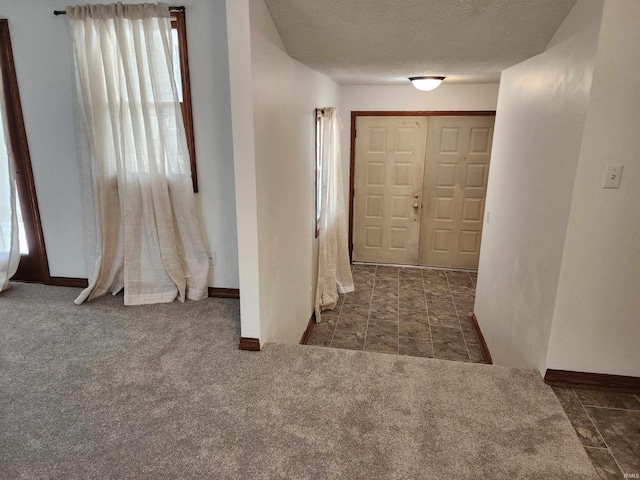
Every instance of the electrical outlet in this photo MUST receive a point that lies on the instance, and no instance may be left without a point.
(488, 216)
(212, 258)
(612, 180)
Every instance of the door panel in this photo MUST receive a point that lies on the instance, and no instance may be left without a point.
(389, 164)
(455, 186)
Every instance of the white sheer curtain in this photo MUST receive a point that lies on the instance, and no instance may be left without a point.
(334, 269)
(142, 233)
(9, 244)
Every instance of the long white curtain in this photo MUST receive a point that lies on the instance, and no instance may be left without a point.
(9, 245)
(334, 269)
(141, 229)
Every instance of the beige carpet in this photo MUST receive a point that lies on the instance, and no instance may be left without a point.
(104, 391)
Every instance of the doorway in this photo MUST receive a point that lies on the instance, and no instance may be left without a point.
(33, 265)
(418, 182)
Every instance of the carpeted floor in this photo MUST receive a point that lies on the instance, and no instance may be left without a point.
(103, 391)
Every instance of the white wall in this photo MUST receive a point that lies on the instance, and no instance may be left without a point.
(44, 63)
(596, 326)
(542, 108)
(241, 86)
(285, 95)
(408, 98)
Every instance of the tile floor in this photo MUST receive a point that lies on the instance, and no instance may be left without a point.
(608, 425)
(406, 311)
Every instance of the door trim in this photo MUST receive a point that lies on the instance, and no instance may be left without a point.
(36, 269)
(392, 113)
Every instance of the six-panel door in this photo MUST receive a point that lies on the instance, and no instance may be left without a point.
(408, 210)
(455, 186)
(388, 188)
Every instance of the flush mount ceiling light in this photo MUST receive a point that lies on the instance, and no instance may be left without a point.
(426, 83)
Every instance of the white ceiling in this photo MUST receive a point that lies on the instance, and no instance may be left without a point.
(386, 41)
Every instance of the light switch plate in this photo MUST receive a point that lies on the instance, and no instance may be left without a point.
(212, 259)
(612, 180)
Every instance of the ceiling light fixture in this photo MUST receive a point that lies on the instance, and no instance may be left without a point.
(426, 83)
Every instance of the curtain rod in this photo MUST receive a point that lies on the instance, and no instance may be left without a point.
(171, 9)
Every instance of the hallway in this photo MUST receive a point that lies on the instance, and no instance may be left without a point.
(404, 310)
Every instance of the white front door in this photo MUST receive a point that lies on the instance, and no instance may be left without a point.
(389, 164)
(455, 179)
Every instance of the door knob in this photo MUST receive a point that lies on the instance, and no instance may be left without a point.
(415, 196)
(416, 205)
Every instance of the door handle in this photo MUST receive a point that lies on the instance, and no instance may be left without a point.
(416, 205)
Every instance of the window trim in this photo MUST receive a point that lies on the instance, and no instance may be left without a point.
(178, 23)
(34, 266)
(318, 167)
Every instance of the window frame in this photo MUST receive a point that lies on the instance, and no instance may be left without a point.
(33, 266)
(178, 23)
(319, 167)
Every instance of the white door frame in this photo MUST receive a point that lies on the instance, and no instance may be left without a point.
(387, 113)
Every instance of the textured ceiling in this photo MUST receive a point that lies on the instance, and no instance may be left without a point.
(386, 41)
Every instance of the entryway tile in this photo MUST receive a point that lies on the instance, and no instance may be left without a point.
(330, 317)
(348, 340)
(384, 296)
(410, 272)
(435, 277)
(406, 310)
(448, 344)
(475, 353)
(449, 320)
(467, 328)
(457, 279)
(615, 431)
(604, 463)
(381, 343)
(590, 398)
(621, 431)
(381, 311)
(353, 318)
(584, 427)
(321, 335)
(412, 299)
(362, 296)
(415, 347)
(413, 324)
(387, 272)
(383, 328)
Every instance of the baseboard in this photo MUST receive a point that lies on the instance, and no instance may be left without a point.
(483, 344)
(249, 344)
(307, 332)
(592, 381)
(68, 282)
(83, 283)
(224, 292)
